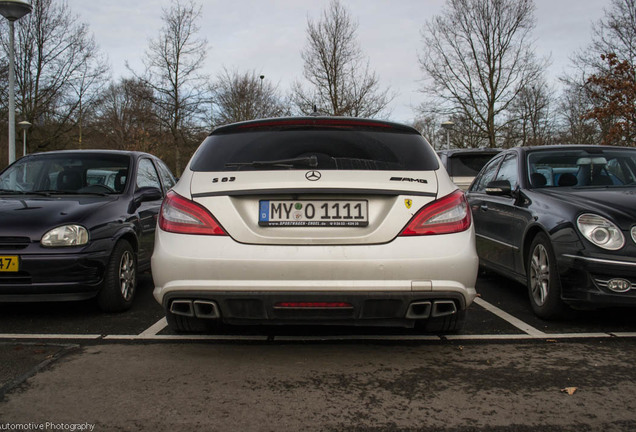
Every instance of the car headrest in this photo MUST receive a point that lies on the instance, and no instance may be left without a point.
(567, 179)
(538, 179)
(70, 180)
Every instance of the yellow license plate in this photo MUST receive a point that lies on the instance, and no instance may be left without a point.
(9, 263)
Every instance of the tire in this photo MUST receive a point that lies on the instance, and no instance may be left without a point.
(441, 325)
(184, 324)
(120, 279)
(543, 283)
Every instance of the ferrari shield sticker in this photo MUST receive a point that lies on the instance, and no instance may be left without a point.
(408, 203)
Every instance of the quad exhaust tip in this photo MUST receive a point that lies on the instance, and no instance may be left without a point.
(419, 310)
(182, 307)
(443, 308)
(428, 309)
(206, 309)
(203, 309)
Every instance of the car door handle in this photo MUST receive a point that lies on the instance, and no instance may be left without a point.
(484, 207)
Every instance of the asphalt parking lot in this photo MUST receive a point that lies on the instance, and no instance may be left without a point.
(501, 312)
(68, 365)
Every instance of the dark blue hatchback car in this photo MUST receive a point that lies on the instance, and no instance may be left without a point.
(79, 224)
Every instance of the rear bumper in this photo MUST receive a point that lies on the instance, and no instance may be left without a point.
(336, 308)
(369, 277)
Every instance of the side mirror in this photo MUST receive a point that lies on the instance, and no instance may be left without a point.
(145, 194)
(499, 188)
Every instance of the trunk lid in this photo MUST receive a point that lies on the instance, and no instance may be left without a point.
(314, 206)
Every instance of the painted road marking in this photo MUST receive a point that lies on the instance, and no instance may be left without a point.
(195, 337)
(154, 329)
(524, 327)
(263, 338)
(48, 336)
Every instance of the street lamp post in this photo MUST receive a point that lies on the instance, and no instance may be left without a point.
(12, 10)
(448, 125)
(260, 98)
(24, 125)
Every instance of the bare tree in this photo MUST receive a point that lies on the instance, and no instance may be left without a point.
(478, 56)
(125, 119)
(465, 134)
(612, 35)
(173, 64)
(430, 128)
(573, 127)
(59, 72)
(245, 96)
(340, 81)
(86, 90)
(533, 119)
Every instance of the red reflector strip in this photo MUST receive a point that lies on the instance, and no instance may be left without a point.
(313, 305)
(315, 122)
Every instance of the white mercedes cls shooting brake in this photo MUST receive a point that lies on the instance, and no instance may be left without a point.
(315, 220)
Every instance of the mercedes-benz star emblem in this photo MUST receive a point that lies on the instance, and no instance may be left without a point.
(312, 175)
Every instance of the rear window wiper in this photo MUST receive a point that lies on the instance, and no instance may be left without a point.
(309, 161)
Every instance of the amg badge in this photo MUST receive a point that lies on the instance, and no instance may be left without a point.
(408, 179)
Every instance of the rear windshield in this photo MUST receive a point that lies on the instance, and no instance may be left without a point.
(331, 149)
(467, 165)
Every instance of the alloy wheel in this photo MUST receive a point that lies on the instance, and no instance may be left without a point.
(539, 275)
(127, 275)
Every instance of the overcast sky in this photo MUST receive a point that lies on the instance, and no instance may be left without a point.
(268, 35)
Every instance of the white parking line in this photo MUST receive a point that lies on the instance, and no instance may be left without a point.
(193, 337)
(548, 337)
(545, 336)
(524, 327)
(155, 328)
(623, 334)
(48, 336)
(359, 338)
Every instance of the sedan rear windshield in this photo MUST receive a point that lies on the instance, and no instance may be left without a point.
(467, 165)
(319, 148)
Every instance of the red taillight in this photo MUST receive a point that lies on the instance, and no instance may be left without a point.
(449, 214)
(180, 215)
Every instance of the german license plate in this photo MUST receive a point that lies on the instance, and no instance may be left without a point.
(9, 263)
(313, 213)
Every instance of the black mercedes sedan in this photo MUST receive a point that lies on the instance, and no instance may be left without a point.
(562, 221)
(79, 224)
